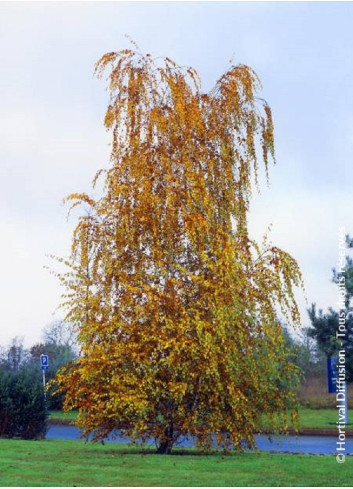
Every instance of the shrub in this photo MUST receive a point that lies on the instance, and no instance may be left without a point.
(23, 412)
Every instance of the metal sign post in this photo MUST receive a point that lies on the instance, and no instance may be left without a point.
(44, 365)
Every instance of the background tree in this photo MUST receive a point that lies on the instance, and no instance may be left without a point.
(60, 333)
(60, 344)
(15, 356)
(324, 329)
(23, 413)
(176, 307)
(304, 352)
(325, 326)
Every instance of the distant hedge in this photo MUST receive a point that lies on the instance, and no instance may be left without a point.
(22, 408)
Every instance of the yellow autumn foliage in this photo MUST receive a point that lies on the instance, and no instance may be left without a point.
(176, 307)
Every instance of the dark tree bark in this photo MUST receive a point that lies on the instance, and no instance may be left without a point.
(166, 444)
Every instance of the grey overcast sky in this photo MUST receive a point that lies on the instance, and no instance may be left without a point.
(52, 139)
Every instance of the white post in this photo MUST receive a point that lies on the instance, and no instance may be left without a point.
(45, 394)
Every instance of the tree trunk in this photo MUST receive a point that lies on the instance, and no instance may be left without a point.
(166, 445)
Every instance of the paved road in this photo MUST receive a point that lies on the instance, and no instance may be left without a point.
(301, 444)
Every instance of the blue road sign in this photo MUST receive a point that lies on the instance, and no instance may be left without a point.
(44, 363)
(332, 374)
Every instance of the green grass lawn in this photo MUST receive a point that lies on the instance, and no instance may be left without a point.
(71, 415)
(76, 463)
(321, 418)
(309, 418)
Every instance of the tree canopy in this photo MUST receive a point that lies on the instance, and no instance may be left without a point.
(175, 305)
(324, 327)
